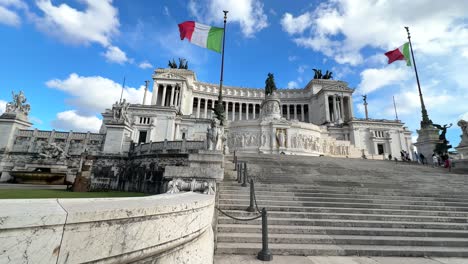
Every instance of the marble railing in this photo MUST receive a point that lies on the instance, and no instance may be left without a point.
(177, 146)
(167, 228)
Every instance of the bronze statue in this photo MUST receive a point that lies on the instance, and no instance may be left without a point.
(318, 74)
(183, 64)
(443, 129)
(172, 64)
(270, 85)
(364, 98)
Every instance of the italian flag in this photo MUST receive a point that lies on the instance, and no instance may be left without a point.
(402, 53)
(202, 35)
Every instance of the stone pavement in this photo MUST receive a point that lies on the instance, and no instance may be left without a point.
(243, 259)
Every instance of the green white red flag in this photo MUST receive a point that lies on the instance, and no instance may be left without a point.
(202, 35)
(401, 53)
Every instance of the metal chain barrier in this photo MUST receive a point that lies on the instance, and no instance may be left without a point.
(242, 175)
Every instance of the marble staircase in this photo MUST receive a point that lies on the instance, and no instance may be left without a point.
(334, 206)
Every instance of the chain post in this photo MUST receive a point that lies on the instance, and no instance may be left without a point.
(251, 207)
(265, 253)
(244, 178)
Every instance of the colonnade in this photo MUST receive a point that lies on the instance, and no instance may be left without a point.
(338, 108)
(170, 95)
(234, 110)
(296, 111)
(247, 111)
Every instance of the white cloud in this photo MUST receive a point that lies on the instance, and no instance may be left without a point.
(9, 17)
(292, 58)
(292, 85)
(116, 55)
(72, 120)
(91, 95)
(341, 28)
(248, 13)
(98, 22)
(296, 25)
(302, 68)
(2, 106)
(374, 79)
(145, 65)
(166, 11)
(9, 12)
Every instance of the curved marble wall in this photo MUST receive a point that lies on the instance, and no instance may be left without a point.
(108, 230)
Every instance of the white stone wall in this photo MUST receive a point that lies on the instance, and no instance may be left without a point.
(367, 134)
(109, 230)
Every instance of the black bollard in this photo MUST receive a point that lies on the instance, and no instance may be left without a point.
(244, 178)
(235, 160)
(251, 207)
(265, 253)
(239, 173)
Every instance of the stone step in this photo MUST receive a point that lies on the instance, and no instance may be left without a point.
(343, 240)
(341, 250)
(248, 227)
(292, 195)
(380, 200)
(350, 204)
(351, 216)
(349, 223)
(349, 190)
(345, 210)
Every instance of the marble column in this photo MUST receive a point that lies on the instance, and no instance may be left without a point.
(335, 115)
(247, 111)
(198, 107)
(233, 111)
(295, 111)
(327, 109)
(154, 99)
(287, 110)
(171, 102)
(227, 110)
(342, 108)
(240, 111)
(302, 113)
(254, 111)
(177, 97)
(206, 108)
(163, 99)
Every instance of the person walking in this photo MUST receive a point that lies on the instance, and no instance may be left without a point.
(422, 158)
(435, 160)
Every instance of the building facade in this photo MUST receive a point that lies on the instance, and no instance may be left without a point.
(316, 120)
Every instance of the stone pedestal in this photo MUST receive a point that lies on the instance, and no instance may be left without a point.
(116, 138)
(270, 108)
(427, 140)
(9, 124)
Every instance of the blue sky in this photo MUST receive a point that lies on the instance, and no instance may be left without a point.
(70, 57)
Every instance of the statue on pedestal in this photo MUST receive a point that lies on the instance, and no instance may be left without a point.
(119, 111)
(18, 104)
(442, 147)
(270, 85)
(464, 137)
(215, 136)
(281, 138)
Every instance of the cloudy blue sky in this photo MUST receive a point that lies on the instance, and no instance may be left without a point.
(70, 57)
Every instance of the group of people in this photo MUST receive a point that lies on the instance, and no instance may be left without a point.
(405, 155)
(442, 160)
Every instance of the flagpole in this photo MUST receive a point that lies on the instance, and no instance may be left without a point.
(394, 106)
(219, 106)
(123, 86)
(425, 122)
